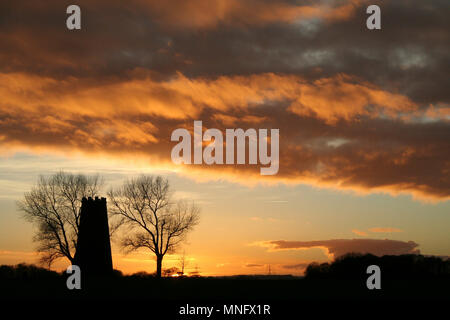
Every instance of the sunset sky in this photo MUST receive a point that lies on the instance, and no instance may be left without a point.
(364, 119)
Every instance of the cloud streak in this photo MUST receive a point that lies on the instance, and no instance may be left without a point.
(360, 233)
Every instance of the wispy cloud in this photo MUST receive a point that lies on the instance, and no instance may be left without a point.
(363, 233)
(296, 266)
(254, 265)
(360, 233)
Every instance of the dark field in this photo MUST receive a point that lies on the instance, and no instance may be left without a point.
(404, 280)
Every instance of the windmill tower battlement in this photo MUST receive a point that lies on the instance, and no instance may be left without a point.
(93, 252)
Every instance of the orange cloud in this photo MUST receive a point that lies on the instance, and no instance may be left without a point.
(325, 139)
(359, 233)
(329, 99)
(334, 98)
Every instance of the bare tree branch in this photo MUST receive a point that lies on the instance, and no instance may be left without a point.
(53, 205)
(143, 205)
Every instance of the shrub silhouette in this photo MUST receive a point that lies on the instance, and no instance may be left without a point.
(26, 272)
(353, 266)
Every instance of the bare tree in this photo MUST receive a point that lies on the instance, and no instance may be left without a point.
(53, 205)
(153, 220)
(183, 262)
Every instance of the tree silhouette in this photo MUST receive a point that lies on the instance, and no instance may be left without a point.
(143, 205)
(170, 272)
(53, 205)
(183, 262)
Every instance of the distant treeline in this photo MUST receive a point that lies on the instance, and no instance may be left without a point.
(351, 266)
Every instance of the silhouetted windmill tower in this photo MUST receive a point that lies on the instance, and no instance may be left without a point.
(93, 253)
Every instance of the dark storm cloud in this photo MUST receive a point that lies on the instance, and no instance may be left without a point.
(357, 109)
(339, 247)
(212, 38)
